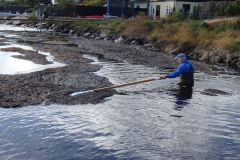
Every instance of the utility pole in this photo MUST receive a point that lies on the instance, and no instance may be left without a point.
(175, 5)
(208, 9)
(123, 4)
(133, 7)
(148, 8)
(108, 9)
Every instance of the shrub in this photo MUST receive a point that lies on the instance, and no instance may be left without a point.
(149, 24)
(30, 10)
(221, 28)
(236, 46)
(236, 26)
(94, 2)
(175, 17)
(154, 36)
(66, 8)
(206, 38)
(32, 18)
(196, 27)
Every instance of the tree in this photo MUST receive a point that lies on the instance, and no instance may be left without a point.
(65, 3)
(94, 2)
(31, 3)
(66, 7)
(234, 8)
(126, 6)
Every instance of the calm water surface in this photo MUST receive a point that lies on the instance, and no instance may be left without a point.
(10, 65)
(146, 122)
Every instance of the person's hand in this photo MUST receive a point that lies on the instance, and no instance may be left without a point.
(160, 77)
(163, 77)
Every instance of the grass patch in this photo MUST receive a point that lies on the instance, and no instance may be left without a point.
(236, 46)
(236, 26)
(185, 34)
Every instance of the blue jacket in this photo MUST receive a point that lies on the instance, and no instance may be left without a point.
(184, 68)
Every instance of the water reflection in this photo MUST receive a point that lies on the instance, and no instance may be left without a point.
(182, 96)
(16, 28)
(10, 65)
(142, 125)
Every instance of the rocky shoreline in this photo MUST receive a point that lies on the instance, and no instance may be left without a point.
(206, 55)
(54, 85)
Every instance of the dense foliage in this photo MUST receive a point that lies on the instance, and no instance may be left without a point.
(30, 3)
(234, 9)
(94, 2)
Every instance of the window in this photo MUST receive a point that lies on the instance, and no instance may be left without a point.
(186, 9)
(167, 11)
(158, 7)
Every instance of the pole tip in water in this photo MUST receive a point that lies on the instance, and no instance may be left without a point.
(74, 94)
(80, 93)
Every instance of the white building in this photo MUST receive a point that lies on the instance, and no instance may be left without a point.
(162, 8)
(54, 2)
(141, 4)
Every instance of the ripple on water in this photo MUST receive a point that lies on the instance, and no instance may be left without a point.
(143, 124)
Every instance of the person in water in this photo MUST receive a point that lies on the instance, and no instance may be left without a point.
(185, 71)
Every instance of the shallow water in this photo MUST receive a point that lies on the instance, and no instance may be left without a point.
(150, 121)
(10, 65)
(16, 28)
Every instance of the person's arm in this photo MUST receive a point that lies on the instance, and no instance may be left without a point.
(173, 75)
(178, 72)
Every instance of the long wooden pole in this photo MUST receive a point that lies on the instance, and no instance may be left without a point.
(113, 87)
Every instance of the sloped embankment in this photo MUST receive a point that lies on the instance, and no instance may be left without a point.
(202, 42)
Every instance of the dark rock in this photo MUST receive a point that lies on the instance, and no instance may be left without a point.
(138, 41)
(58, 30)
(119, 40)
(129, 40)
(149, 46)
(103, 35)
(111, 37)
(214, 92)
(29, 41)
(8, 23)
(79, 33)
(65, 31)
(72, 31)
(87, 35)
(17, 23)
